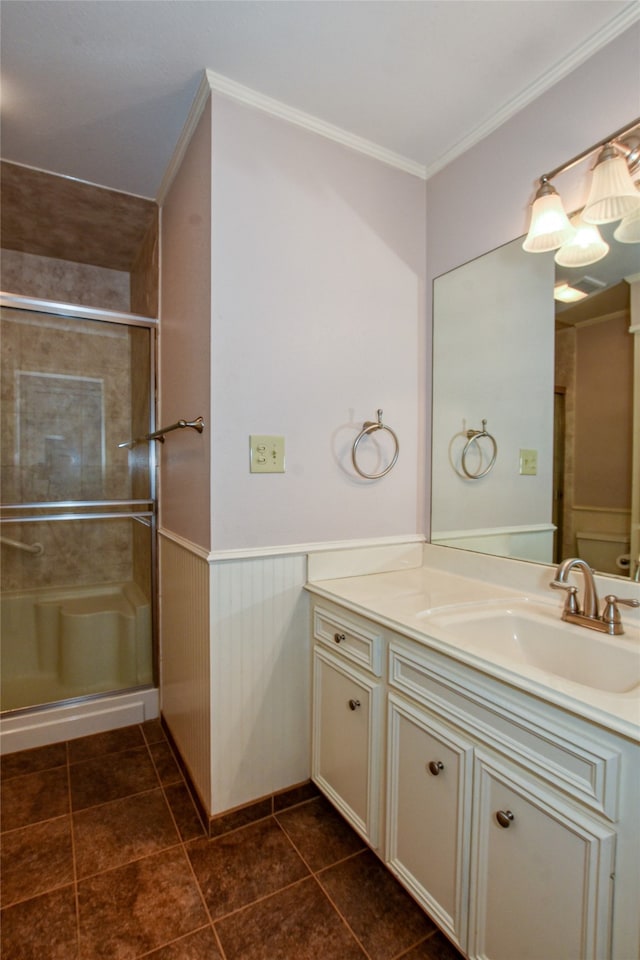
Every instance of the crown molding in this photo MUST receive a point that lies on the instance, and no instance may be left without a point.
(197, 107)
(276, 108)
(216, 82)
(617, 25)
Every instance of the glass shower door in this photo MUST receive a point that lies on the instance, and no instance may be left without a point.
(77, 518)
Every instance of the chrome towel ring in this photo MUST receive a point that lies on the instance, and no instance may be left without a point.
(474, 436)
(368, 427)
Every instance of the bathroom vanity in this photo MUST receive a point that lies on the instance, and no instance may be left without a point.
(503, 794)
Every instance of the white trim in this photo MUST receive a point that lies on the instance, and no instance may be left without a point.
(25, 729)
(212, 81)
(287, 550)
(300, 118)
(604, 35)
(197, 107)
(247, 553)
(489, 531)
(189, 545)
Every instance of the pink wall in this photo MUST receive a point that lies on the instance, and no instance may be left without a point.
(185, 322)
(318, 319)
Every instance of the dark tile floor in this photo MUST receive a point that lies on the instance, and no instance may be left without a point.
(103, 857)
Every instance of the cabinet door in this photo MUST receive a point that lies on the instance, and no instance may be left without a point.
(542, 873)
(428, 814)
(346, 741)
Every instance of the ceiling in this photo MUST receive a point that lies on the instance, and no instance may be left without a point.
(100, 89)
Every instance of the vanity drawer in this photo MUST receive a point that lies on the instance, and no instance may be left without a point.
(351, 638)
(568, 759)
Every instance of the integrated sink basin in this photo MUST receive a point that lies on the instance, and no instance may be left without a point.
(530, 635)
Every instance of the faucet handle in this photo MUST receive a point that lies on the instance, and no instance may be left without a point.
(571, 603)
(611, 614)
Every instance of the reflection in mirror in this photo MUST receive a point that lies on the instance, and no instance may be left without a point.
(555, 384)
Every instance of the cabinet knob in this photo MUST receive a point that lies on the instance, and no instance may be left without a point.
(435, 767)
(339, 637)
(505, 818)
(354, 704)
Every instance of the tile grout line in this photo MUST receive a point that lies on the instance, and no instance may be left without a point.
(76, 889)
(314, 874)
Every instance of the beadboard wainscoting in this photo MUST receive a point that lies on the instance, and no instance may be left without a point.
(185, 655)
(235, 671)
(260, 678)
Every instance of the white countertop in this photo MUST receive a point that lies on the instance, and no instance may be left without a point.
(408, 601)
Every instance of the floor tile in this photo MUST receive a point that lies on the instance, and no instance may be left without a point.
(34, 797)
(152, 731)
(240, 818)
(436, 947)
(35, 859)
(298, 922)
(111, 834)
(201, 945)
(288, 798)
(243, 866)
(165, 763)
(320, 834)
(32, 761)
(184, 811)
(43, 928)
(111, 777)
(101, 744)
(383, 917)
(138, 907)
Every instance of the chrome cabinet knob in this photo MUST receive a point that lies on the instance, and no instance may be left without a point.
(339, 637)
(435, 767)
(505, 818)
(354, 704)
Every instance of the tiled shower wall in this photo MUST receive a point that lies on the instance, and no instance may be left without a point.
(61, 353)
(44, 278)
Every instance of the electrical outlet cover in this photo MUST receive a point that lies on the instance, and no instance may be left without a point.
(266, 454)
(528, 463)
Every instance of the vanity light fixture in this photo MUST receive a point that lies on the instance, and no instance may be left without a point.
(585, 247)
(613, 194)
(628, 230)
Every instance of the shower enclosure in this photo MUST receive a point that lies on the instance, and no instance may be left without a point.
(77, 522)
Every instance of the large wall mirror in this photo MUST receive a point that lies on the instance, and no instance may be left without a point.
(553, 390)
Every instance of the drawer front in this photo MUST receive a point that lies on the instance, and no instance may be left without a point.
(582, 767)
(349, 638)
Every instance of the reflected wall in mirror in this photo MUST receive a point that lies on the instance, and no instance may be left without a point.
(555, 384)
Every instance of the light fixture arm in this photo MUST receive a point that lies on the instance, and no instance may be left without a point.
(617, 135)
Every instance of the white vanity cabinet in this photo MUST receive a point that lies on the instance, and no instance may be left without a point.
(512, 820)
(542, 874)
(509, 866)
(348, 701)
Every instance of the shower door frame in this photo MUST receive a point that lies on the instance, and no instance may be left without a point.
(113, 509)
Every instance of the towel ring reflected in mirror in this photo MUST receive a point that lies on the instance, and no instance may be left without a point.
(473, 438)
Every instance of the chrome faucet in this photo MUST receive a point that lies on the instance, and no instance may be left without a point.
(610, 621)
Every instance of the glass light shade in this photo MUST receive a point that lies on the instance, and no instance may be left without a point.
(585, 247)
(613, 193)
(550, 226)
(628, 230)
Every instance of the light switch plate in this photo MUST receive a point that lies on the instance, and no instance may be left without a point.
(528, 463)
(266, 454)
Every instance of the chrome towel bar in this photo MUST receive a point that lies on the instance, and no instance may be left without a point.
(197, 424)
